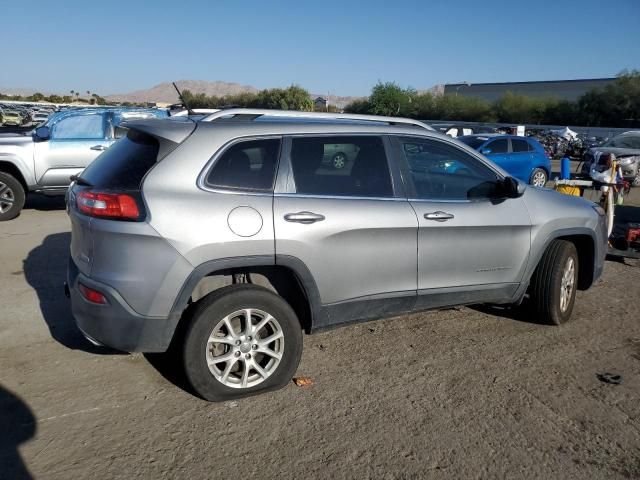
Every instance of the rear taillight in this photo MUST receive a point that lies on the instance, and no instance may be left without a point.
(93, 296)
(116, 206)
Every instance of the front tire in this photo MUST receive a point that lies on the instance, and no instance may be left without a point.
(12, 197)
(554, 282)
(241, 340)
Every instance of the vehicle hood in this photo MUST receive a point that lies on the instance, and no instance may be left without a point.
(617, 151)
(547, 205)
(14, 139)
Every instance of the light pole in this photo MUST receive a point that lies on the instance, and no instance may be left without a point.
(463, 84)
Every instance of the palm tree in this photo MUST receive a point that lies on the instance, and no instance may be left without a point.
(88, 93)
(72, 92)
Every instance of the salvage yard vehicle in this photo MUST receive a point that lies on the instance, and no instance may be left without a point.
(44, 159)
(220, 241)
(10, 117)
(522, 157)
(626, 148)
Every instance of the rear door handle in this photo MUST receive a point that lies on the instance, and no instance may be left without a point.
(438, 216)
(304, 217)
(100, 148)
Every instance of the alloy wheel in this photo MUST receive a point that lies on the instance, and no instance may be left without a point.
(539, 179)
(567, 284)
(7, 198)
(245, 348)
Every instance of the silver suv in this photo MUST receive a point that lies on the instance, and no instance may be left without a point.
(221, 240)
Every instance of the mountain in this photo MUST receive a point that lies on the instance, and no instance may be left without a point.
(165, 92)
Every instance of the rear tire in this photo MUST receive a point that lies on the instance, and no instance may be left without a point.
(553, 284)
(209, 338)
(538, 177)
(12, 197)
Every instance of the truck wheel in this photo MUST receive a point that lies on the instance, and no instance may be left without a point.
(11, 197)
(241, 340)
(553, 284)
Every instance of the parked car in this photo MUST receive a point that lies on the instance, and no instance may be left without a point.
(44, 159)
(10, 117)
(522, 157)
(626, 148)
(40, 117)
(226, 239)
(459, 130)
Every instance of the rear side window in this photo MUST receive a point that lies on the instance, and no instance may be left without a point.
(520, 146)
(124, 164)
(499, 146)
(341, 166)
(249, 165)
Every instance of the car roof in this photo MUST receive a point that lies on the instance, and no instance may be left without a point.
(286, 126)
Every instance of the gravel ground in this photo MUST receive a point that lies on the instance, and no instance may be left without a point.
(459, 393)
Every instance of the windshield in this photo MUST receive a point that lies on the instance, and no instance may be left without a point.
(624, 141)
(473, 142)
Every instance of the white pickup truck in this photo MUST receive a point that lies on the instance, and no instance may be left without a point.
(43, 159)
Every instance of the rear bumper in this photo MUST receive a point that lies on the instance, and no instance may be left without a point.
(116, 324)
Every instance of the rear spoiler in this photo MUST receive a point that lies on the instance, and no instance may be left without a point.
(169, 133)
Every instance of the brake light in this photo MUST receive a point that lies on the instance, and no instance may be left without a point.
(92, 295)
(108, 205)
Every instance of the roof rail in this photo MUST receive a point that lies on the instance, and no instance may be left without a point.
(253, 113)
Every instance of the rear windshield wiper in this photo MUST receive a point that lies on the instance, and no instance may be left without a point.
(80, 181)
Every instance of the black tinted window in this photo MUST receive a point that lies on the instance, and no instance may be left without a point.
(247, 165)
(473, 142)
(125, 163)
(500, 145)
(444, 172)
(341, 166)
(519, 146)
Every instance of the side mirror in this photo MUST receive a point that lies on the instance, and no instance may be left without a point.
(485, 151)
(43, 133)
(511, 188)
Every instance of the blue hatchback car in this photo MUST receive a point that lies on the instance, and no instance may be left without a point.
(523, 157)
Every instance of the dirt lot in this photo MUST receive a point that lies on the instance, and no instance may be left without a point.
(452, 394)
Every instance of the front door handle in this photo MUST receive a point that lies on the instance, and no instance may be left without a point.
(438, 216)
(100, 148)
(304, 217)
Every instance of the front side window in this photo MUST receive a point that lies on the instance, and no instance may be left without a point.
(249, 165)
(519, 146)
(353, 166)
(81, 127)
(440, 171)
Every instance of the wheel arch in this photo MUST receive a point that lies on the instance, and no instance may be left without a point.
(10, 167)
(288, 277)
(584, 240)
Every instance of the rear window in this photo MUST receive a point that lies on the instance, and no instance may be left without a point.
(125, 163)
(248, 165)
(520, 145)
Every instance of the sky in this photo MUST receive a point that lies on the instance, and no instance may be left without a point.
(337, 47)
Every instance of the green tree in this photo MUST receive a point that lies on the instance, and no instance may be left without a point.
(291, 98)
(361, 106)
(391, 100)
